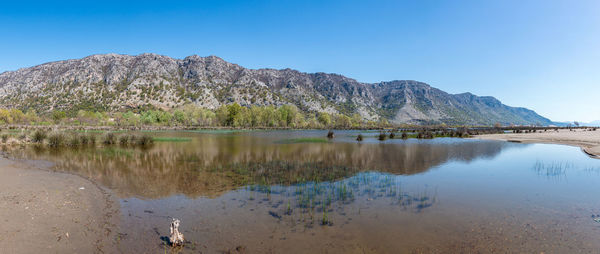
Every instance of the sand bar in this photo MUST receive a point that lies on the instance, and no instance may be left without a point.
(588, 140)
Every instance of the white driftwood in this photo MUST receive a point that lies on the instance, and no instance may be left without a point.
(176, 237)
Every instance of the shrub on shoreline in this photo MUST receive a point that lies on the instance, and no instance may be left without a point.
(359, 138)
(109, 138)
(38, 136)
(56, 139)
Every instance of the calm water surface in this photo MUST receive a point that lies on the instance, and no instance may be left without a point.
(287, 192)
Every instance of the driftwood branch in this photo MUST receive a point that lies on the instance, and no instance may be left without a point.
(176, 237)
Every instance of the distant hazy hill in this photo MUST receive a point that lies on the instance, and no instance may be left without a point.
(592, 123)
(118, 82)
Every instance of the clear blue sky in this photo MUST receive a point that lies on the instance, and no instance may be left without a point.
(544, 55)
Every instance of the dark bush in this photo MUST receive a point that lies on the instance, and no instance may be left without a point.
(145, 140)
(38, 136)
(359, 138)
(56, 139)
(92, 139)
(109, 139)
(330, 134)
(123, 140)
(74, 141)
(84, 140)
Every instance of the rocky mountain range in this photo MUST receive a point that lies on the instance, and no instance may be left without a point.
(113, 82)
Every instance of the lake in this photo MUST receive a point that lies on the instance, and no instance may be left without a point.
(298, 192)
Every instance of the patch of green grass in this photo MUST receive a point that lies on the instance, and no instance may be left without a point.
(303, 140)
(171, 139)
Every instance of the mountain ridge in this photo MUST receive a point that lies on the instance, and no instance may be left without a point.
(110, 82)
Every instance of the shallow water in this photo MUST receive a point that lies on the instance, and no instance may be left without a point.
(285, 191)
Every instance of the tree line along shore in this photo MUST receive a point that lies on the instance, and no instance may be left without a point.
(226, 116)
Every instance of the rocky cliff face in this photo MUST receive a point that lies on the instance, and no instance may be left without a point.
(120, 82)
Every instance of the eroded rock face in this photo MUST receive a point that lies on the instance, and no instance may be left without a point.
(117, 82)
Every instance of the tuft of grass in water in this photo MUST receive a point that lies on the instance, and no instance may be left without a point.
(382, 137)
(325, 219)
(145, 140)
(74, 141)
(170, 139)
(38, 136)
(392, 135)
(303, 140)
(359, 138)
(124, 140)
(330, 134)
(84, 140)
(92, 139)
(56, 139)
(109, 138)
(4, 138)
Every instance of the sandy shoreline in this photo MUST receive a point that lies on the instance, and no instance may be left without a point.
(589, 141)
(50, 212)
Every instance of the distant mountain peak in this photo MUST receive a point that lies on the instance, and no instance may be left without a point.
(119, 82)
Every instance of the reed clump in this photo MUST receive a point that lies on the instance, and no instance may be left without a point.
(56, 139)
(124, 140)
(145, 140)
(330, 134)
(359, 137)
(38, 136)
(74, 141)
(382, 136)
(109, 138)
(84, 140)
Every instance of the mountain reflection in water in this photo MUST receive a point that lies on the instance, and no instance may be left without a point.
(210, 164)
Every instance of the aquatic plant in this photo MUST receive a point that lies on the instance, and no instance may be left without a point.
(4, 138)
(325, 219)
(330, 134)
(382, 136)
(109, 138)
(123, 140)
(38, 136)
(84, 140)
(404, 135)
(359, 137)
(91, 139)
(74, 141)
(56, 139)
(145, 140)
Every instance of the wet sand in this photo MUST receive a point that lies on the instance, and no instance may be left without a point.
(49, 212)
(589, 141)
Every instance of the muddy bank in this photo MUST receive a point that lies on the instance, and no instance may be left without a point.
(48, 212)
(588, 140)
